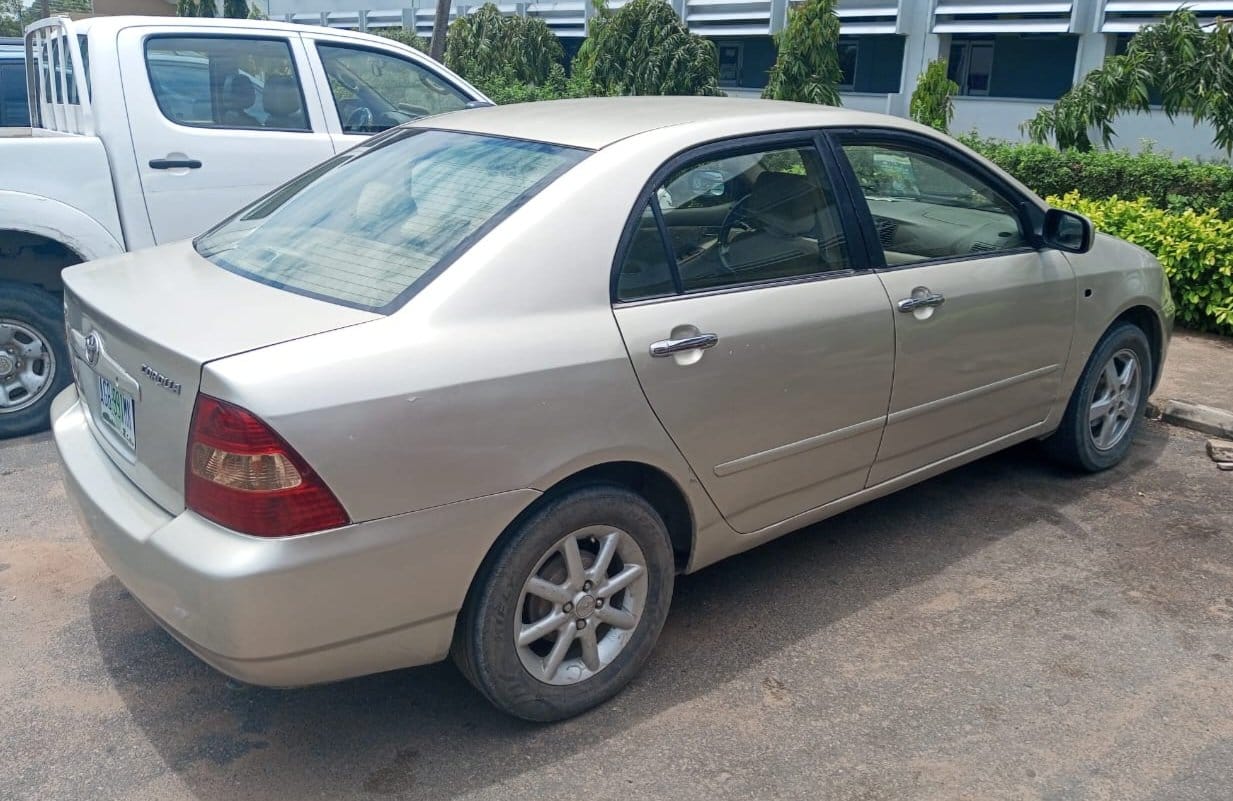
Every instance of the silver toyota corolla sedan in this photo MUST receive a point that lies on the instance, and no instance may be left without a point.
(485, 384)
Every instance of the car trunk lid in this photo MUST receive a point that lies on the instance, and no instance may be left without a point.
(140, 328)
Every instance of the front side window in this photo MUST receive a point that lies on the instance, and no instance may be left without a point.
(375, 91)
(926, 208)
(226, 82)
(375, 224)
(753, 216)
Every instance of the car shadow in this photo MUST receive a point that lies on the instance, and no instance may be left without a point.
(424, 733)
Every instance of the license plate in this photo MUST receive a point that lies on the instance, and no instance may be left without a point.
(116, 409)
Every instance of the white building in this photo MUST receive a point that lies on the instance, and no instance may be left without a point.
(1010, 57)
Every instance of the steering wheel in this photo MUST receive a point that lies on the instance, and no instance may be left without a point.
(737, 215)
(359, 119)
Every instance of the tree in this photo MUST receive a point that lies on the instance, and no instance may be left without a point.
(207, 8)
(931, 100)
(644, 48)
(1180, 62)
(186, 8)
(235, 9)
(440, 21)
(12, 18)
(488, 45)
(807, 66)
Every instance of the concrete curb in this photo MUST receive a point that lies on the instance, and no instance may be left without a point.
(1207, 419)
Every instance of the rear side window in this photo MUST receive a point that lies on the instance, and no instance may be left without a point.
(373, 226)
(14, 109)
(744, 218)
(226, 82)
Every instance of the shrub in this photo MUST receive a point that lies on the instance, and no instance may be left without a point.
(643, 48)
(403, 36)
(1167, 184)
(807, 65)
(931, 99)
(1195, 248)
(488, 46)
(502, 89)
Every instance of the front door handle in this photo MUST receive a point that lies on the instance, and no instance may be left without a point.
(921, 301)
(173, 164)
(667, 347)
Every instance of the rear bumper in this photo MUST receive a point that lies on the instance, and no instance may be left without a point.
(319, 607)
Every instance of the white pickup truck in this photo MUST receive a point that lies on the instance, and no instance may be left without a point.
(149, 130)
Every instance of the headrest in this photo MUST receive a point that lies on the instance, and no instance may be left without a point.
(238, 92)
(788, 202)
(282, 95)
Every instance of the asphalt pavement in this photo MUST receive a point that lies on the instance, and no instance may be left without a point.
(1006, 631)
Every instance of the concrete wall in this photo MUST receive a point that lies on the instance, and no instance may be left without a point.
(1001, 118)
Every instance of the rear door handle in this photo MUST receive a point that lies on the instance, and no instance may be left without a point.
(667, 347)
(921, 301)
(173, 164)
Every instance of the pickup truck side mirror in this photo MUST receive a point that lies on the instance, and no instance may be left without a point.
(1067, 231)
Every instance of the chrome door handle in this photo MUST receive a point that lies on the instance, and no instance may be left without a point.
(914, 303)
(667, 347)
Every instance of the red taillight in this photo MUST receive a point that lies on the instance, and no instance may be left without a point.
(242, 475)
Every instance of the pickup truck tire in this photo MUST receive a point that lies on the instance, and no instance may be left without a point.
(34, 360)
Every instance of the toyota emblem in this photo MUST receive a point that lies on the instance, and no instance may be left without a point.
(92, 349)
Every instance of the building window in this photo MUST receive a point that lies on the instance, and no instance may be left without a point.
(730, 63)
(848, 53)
(971, 66)
(1030, 66)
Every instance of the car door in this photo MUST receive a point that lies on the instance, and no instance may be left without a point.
(372, 89)
(217, 120)
(983, 319)
(760, 337)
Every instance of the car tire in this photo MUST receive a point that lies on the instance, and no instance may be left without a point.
(1104, 412)
(34, 360)
(519, 677)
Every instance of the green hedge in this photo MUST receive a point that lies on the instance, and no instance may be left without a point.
(1195, 248)
(1166, 183)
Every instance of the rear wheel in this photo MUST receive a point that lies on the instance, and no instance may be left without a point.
(1104, 412)
(34, 362)
(571, 605)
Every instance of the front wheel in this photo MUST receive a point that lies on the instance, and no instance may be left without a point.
(571, 605)
(1107, 405)
(34, 361)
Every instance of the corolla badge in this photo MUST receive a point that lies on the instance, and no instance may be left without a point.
(92, 349)
(169, 384)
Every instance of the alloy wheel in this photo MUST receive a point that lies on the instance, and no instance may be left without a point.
(580, 605)
(1115, 400)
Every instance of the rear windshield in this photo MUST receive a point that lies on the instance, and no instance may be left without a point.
(373, 226)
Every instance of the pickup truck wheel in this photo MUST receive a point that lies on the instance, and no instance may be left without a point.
(34, 362)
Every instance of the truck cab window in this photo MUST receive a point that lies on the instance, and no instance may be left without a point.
(216, 82)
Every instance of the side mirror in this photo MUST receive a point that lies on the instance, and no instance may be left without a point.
(707, 182)
(1067, 231)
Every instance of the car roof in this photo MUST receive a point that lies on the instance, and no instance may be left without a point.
(112, 25)
(596, 122)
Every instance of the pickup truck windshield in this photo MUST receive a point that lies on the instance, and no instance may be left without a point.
(370, 230)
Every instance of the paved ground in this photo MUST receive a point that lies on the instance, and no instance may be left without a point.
(1199, 369)
(1003, 632)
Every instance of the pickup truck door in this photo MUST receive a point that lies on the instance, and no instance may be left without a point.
(218, 117)
(367, 88)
